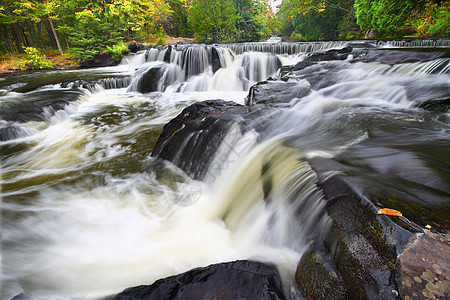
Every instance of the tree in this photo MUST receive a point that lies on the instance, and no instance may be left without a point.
(387, 18)
(175, 23)
(92, 34)
(316, 19)
(49, 7)
(215, 19)
(253, 20)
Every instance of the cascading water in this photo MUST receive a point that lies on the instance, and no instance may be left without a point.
(87, 211)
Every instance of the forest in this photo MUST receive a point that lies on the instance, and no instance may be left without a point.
(85, 29)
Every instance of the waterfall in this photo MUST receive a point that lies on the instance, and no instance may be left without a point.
(425, 43)
(120, 176)
(283, 48)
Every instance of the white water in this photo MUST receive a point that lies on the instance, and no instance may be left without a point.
(87, 212)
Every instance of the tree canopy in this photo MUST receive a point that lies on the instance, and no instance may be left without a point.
(324, 20)
(89, 28)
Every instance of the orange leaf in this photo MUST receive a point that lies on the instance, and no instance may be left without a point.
(389, 212)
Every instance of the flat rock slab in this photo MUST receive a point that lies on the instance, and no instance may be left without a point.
(424, 267)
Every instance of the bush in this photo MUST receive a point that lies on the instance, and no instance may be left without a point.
(117, 50)
(297, 37)
(441, 28)
(35, 60)
(432, 20)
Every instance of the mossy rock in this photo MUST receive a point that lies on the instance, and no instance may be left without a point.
(317, 277)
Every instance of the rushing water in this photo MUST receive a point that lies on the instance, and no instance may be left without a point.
(87, 212)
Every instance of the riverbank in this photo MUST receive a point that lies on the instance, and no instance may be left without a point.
(11, 63)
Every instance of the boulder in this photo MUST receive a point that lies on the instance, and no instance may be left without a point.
(191, 139)
(318, 278)
(134, 47)
(276, 93)
(147, 81)
(358, 257)
(38, 105)
(215, 60)
(333, 54)
(168, 54)
(436, 105)
(233, 280)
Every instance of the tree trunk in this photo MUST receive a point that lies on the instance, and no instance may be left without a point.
(18, 35)
(55, 35)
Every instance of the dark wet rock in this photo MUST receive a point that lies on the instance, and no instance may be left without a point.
(321, 75)
(149, 79)
(361, 45)
(134, 47)
(333, 54)
(14, 86)
(318, 278)
(11, 131)
(424, 267)
(285, 71)
(302, 65)
(191, 139)
(168, 54)
(275, 93)
(21, 296)
(363, 247)
(234, 280)
(436, 105)
(37, 105)
(215, 60)
(104, 60)
(392, 57)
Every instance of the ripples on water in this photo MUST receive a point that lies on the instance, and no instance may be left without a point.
(86, 211)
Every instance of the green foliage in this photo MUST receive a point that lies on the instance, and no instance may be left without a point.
(316, 19)
(118, 50)
(386, 17)
(441, 25)
(254, 20)
(35, 60)
(92, 35)
(212, 19)
(176, 22)
(433, 20)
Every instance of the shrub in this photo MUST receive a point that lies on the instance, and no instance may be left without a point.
(432, 20)
(117, 50)
(35, 60)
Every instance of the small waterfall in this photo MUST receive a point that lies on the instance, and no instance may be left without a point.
(152, 54)
(283, 48)
(134, 59)
(202, 68)
(426, 43)
(259, 66)
(107, 84)
(275, 201)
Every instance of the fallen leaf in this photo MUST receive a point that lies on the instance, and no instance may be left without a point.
(428, 226)
(389, 212)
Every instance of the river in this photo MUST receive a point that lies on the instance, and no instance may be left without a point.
(87, 211)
